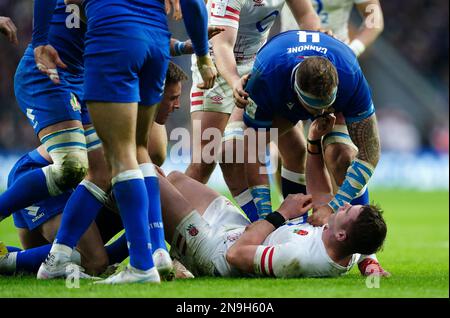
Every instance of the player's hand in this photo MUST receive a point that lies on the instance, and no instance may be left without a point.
(320, 216)
(327, 31)
(295, 205)
(47, 61)
(8, 28)
(175, 6)
(240, 95)
(207, 70)
(321, 126)
(214, 30)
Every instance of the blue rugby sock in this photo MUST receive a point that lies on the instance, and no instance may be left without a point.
(118, 250)
(79, 213)
(262, 200)
(131, 197)
(24, 192)
(13, 249)
(245, 201)
(363, 199)
(155, 220)
(30, 260)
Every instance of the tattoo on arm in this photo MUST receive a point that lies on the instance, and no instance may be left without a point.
(365, 136)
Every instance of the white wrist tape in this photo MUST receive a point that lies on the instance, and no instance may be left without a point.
(357, 47)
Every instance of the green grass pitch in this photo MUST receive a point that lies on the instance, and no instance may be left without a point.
(416, 253)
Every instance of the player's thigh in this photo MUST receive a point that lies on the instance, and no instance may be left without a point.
(48, 107)
(197, 194)
(157, 146)
(115, 124)
(206, 124)
(145, 119)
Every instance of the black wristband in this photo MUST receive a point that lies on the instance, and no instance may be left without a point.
(313, 153)
(276, 219)
(317, 142)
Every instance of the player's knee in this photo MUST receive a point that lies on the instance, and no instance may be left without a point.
(67, 172)
(158, 157)
(175, 176)
(200, 171)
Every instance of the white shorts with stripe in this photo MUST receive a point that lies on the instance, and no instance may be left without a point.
(218, 99)
(201, 242)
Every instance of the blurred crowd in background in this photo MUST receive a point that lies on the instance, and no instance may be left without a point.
(416, 29)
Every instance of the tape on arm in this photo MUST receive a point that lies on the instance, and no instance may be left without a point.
(358, 174)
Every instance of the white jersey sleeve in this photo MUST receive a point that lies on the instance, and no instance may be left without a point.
(225, 12)
(296, 251)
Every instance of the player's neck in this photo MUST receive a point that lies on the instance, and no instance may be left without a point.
(334, 249)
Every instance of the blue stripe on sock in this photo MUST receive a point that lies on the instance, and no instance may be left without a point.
(67, 144)
(75, 130)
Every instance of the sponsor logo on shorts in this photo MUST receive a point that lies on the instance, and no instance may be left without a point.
(217, 99)
(37, 218)
(192, 230)
(258, 3)
(75, 103)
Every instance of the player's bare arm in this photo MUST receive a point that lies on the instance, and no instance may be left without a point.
(241, 254)
(174, 7)
(8, 28)
(181, 48)
(304, 14)
(223, 47)
(372, 27)
(318, 182)
(365, 136)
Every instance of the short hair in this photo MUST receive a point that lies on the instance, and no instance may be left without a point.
(317, 76)
(367, 233)
(175, 74)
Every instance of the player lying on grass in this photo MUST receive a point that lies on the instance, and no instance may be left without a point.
(38, 224)
(212, 238)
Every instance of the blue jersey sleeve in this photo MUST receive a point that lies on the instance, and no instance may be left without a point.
(258, 114)
(361, 105)
(195, 18)
(43, 12)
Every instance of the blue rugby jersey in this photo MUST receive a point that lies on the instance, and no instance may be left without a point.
(55, 29)
(271, 85)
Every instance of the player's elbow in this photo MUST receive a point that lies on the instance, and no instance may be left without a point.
(233, 256)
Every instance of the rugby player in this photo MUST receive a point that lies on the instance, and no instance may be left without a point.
(212, 238)
(300, 75)
(247, 24)
(335, 16)
(38, 224)
(114, 86)
(338, 147)
(9, 29)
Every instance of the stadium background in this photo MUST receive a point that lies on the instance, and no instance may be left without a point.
(407, 69)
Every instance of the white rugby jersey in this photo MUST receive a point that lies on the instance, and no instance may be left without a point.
(297, 250)
(334, 15)
(252, 18)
